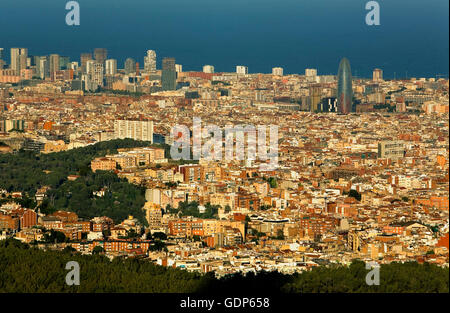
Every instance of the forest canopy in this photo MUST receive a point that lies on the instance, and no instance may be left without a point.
(26, 269)
(28, 171)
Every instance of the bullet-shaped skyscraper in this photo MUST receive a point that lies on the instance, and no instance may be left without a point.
(344, 89)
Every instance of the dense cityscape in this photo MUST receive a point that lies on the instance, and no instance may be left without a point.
(86, 164)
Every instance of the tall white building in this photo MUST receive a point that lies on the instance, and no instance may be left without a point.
(111, 67)
(73, 66)
(311, 74)
(243, 70)
(150, 61)
(95, 74)
(19, 59)
(43, 66)
(278, 71)
(137, 130)
(54, 63)
(90, 66)
(178, 68)
(208, 69)
(377, 75)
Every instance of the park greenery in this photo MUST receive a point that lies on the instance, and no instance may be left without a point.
(192, 209)
(29, 269)
(27, 171)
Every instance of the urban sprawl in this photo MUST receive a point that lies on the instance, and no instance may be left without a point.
(362, 168)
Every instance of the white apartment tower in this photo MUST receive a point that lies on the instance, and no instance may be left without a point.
(377, 75)
(208, 69)
(111, 67)
(311, 74)
(95, 73)
(278, 71)
(137, 130)
(242, 70)
(150, 61)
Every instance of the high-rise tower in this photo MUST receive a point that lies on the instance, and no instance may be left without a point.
(19, 59)
(84, 58)
(111, 67)
(150, 61)
(377, 75)
(130, 66)
(344, 89)
(169, 75)
(100, 55)
(54, 63)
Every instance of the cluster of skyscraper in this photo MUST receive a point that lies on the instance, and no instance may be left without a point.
(96, 70)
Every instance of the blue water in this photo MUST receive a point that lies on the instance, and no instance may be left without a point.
(412, 39)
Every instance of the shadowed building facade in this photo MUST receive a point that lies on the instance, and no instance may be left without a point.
(169, 75)
(344, 89)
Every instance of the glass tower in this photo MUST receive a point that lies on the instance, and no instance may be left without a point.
(169, 75)
(130, 66)
(344, 89)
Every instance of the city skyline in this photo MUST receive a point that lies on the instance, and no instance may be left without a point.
(239, 35)
(210, 148)
(156, 63)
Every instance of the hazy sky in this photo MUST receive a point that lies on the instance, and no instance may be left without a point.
(294, 34)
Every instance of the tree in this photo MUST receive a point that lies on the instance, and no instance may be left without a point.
(98, 250)
(280, 234)
(54, 236)
(68, 249)
(355, 194)
(158, 246)
(272, 182)
(159, 236)
(134, 275)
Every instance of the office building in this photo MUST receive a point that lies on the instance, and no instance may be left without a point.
(344, 90)
(169, 75)
(178, 68)
(100, 55)
(84, 58)
(54, 63)
(130, 66)
(328, 104)
(64, 62)
(315, 93)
